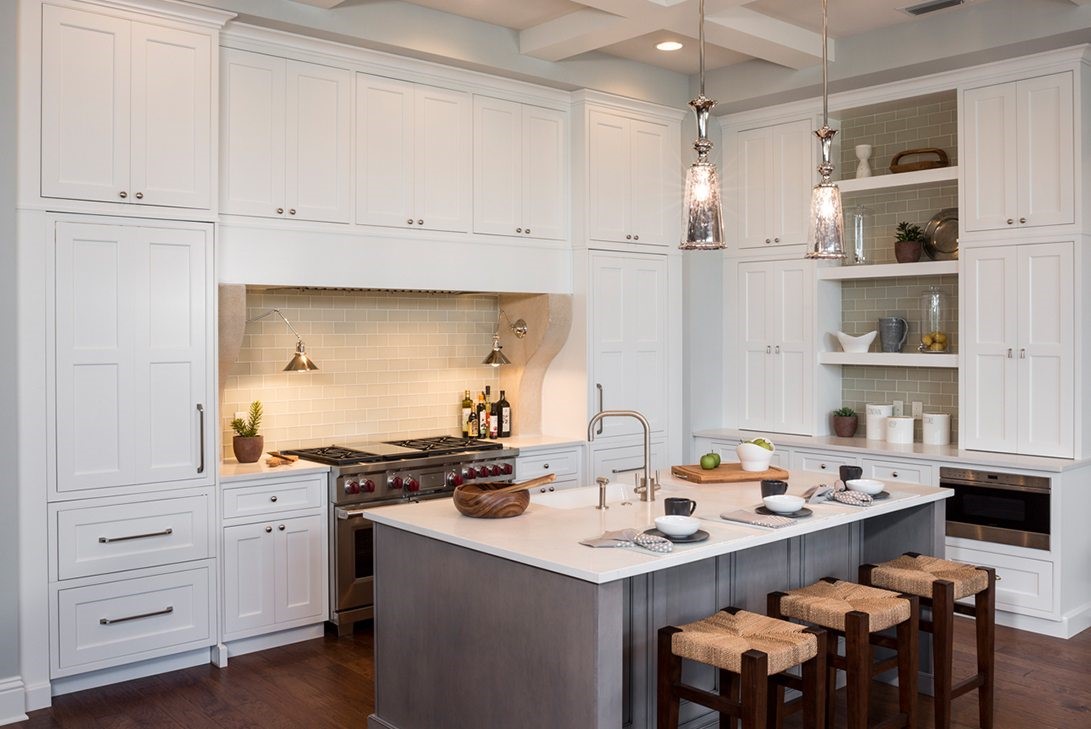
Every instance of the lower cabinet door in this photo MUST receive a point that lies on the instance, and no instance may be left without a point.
(300, 568)
(249, 574)
(128, 620)
(1023, 583)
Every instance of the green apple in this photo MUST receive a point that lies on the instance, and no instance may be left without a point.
(763, 443)
(709, 461)
(716, 456)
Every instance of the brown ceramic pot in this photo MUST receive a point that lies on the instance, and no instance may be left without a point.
(908, 251)
(248, 450)
(845, 425)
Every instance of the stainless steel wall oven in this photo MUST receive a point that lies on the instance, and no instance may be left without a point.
(1005, 508)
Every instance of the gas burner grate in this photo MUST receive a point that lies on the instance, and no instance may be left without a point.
(446, 444)
(334, 455)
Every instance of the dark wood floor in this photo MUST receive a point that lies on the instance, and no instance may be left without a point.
(1043, 683)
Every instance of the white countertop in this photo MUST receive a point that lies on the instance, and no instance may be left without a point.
(548, 538)
(947, 455)
(540, 442)
(235, 471)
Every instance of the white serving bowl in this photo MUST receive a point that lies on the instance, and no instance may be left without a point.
(850, 343)
(754, 457)
(865, 485)
(676, 525)
(783, 503)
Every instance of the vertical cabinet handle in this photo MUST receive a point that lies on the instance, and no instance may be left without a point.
(768, 349)
(1022, 353)
(598, 386)
(776, 349)
(1009, 352)
(201, 436)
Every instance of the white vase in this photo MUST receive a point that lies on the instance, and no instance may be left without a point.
(863, 153)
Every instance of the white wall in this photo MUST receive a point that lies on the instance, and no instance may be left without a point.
(9, 491)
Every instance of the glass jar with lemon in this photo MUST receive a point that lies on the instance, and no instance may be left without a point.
(934, 324)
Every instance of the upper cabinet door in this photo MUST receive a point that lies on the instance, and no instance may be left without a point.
(251, 133)
(989, 296)
(545, 167)
(498, 166)
(384, 151)
(319, 143)
(793, 147)
(171, 117)
(85, 105)
(655, 191)
(755, 174)
(441, 166)
(989, 157)
(1047, 355)
(1046, 148)
(609, 173)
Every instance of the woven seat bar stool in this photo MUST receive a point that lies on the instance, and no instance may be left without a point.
(859, 613)
(939, 583)
(751, 652)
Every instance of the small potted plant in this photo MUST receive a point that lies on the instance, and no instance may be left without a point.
(247, 444)
(908, 243)
(845, 422)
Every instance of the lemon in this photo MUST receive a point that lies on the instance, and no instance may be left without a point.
(926, 340)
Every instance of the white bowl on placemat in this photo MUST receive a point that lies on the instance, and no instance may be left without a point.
(868, 486)
(783, 503)
(676, 525)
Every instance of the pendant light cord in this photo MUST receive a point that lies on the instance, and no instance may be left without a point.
(701, 42)
(825, 70)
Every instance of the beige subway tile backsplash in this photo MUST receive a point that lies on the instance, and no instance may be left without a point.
(391, 365)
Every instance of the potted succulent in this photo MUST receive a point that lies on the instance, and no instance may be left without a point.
(247, 444)
(845, 421)
(908, 243)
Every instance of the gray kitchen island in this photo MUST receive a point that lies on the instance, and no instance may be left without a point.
(506, 623)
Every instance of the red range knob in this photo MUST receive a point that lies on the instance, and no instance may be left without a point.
(368, 486)
(482, 472)
(352, 487)
(507, 469)
(469, 474)
(396, 483)
(453, 479)
(494, 470)
(412, 485)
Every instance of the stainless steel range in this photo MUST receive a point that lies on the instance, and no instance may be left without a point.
(367, 475)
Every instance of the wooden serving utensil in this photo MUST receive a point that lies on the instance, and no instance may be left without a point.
(483, 502)
(540, 481)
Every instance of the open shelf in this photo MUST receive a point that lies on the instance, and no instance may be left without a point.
(889, 359)
(902, 179)
(887, 270)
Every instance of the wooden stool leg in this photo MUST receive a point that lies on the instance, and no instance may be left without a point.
(858, 662)
(943, 646)
(814, 685)
(831, 680)
(909, 662)
(755, 687)
(729, 689)
(985, 619)
(774, 704)
(669, 676)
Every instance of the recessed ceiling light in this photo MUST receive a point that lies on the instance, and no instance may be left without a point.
(668, 45)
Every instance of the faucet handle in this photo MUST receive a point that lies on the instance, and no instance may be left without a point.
(602, 480)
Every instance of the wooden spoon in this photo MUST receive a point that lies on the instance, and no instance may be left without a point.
(548, 478)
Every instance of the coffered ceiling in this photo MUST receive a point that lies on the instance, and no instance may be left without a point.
(783, 32)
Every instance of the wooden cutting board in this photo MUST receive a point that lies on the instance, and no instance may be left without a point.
(725, 473)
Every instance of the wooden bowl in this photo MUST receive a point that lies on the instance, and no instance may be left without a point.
(482, 502)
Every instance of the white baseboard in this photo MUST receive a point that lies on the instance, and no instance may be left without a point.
(243, 646)
(1068, 626)
(130, 671)
(13, 703)
(39, 695)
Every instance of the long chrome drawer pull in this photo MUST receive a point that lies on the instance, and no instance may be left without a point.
(110, 621)
(107, 540)
(346, 514)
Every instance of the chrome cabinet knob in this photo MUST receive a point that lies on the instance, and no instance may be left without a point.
(139, 196)
(518, 230)
(410, 221)
(527, 231)
(768, 241)
(894, 475)
(1022, 220)
(268, 529)
(776, 240)
(291, 211)
(280, 211)
(420, 222)
(822, 466)
(281, 527)
(1010, 221)
(273, 499)
(636, 237)
(123, 194)
(628, 237)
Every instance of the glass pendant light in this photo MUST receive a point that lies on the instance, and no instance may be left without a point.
(827, 223)
(704, 218)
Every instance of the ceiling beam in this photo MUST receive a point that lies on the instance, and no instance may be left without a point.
(578, 32)
(324, 4)
(761, 36)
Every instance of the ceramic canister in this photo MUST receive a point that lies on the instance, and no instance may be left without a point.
(876, 420)
(936, 428)
(899, 430)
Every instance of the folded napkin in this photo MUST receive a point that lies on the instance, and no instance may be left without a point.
(853, 498)
(629, 538)
(749, 517)
(836, 492)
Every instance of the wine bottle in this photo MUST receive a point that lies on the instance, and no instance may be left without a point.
(467, 408)
(503, 412)
(490, 408)
(482, 417)
(471, 424)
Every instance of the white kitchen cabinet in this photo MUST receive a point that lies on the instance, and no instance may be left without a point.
(134, 400)
(285, 138)
(564, 463)
(633, 180)
(1018, 368)
(775, 174)
(413, 155)
(776, 376)
(629, 339)
(619, 464)
(1017, 150)
(519, 169)
(820, 462)
(274, 575)
(126, 110)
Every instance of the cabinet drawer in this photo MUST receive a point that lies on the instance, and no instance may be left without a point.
(561, 463)
(101, 539)
(558, 485)
(274, 497)
(1023, 583)
(619, 464)
(899, 471)
(130, 620)
(821, 462)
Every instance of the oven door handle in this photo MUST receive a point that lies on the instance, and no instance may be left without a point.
(349, 513)
(953, 484)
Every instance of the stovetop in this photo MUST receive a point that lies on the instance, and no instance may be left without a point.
(396, 450)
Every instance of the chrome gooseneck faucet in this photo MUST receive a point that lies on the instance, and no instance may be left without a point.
(646, 486)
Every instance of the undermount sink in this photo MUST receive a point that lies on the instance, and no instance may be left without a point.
(584, 497)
